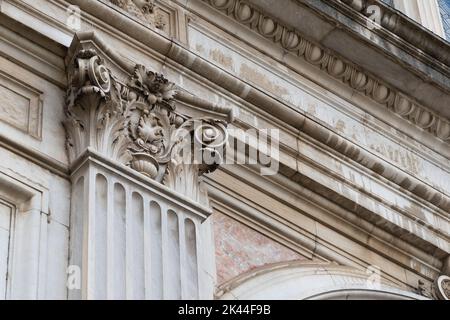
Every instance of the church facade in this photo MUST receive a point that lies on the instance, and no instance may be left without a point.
(224, 149)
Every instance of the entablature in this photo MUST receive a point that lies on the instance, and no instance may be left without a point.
(384, 42)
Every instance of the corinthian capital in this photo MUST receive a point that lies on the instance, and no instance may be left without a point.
(133, 119)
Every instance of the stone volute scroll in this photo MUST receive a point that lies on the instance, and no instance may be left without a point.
(131, 117)
(145, 10)
(442, 287)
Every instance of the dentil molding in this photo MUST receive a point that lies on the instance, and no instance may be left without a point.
(293, 42)
(135, 122)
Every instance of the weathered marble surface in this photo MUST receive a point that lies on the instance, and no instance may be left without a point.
(240, 249)
(234, 50)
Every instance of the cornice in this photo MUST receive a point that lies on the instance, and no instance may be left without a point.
(177, 53)
(403, 27)
(338, 27)
(55, 30)
(32, 51)
(357, 78)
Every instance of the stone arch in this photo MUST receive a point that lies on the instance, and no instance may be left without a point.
(317, 281)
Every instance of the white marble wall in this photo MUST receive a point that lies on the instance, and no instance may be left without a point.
(5, 228)
(33, 166)
(38, 230)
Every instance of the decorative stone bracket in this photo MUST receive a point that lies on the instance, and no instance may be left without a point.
(134, 121)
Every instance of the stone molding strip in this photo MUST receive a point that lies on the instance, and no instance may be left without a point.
(36, 157)
(399, 247)
(404, 28)
(292, 41)
(178, 53)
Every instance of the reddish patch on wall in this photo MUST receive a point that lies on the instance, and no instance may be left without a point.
(240, 249)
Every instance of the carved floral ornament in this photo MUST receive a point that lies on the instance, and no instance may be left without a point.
(144, 10)
(136, 124)
(439, 290)
(292, 41)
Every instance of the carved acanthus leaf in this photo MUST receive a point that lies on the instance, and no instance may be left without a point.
(137, 124)
(153, 86)
(144, 10)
